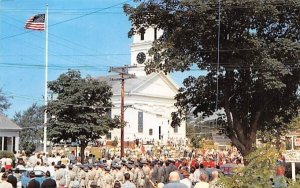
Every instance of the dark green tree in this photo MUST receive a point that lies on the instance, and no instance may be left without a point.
(80, 109)
(4, 103)
(258, 71)
(31, 122)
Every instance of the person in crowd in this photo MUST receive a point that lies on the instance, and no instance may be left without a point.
(117, 184)
(11, 178)
(186, 181)
(214, 182)
(18, 175)
(174, 181)
(4, 183)
(128, 183)
(203, 181)
(2, 171)
(48, 182)
(33, 183)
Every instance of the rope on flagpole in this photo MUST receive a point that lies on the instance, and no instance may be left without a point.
(46, 80)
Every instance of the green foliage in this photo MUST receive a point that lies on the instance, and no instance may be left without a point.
(81, 110)
(191, 133)
(294, 184)
(259, 68)
(257, 174)
(31, 121)
(4, 103)
(7, 154)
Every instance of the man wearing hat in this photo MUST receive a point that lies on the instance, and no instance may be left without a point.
(107, 179)
(91, 175)
(118, 176)
(48, 182)
(140, 177)
(83, 179)
(128, 170)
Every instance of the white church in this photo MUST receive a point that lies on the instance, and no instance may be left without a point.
(149, 99)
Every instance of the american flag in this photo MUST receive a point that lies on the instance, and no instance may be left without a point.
(36, 22)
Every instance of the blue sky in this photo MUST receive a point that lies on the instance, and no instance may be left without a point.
(86, 35)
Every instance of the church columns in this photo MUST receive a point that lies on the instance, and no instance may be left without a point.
(9, 143)
(17, 140)
(2, 142)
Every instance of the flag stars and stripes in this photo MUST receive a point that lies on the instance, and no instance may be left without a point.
(36, 22)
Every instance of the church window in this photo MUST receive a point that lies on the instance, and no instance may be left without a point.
(108, 136)
(155, 33)
(5, 143)
(142, 33)
(140, 122)
(176, 129)
(150, 132)
(14, 144)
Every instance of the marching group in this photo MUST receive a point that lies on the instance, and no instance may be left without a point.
(199, 170)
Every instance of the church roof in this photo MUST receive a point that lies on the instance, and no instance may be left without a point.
(130, 84)
(7, 124)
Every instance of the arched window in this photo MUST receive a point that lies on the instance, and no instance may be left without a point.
(142, 32)
(155, 33)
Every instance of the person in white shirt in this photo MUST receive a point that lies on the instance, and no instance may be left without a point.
(203, 182)
(32, 161)
(4, 183)
(186, 181)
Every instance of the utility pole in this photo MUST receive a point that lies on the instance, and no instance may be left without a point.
(123, 72)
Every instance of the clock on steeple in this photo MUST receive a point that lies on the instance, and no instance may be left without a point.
(142, 42)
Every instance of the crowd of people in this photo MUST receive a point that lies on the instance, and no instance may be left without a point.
(200, 169)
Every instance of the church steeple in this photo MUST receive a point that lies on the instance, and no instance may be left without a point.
(142, 42)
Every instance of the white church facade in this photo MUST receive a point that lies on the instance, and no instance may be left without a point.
(149, 99)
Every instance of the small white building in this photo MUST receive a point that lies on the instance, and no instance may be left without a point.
(149, 99)
(9, 134)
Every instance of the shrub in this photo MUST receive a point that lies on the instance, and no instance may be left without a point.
(7, 154)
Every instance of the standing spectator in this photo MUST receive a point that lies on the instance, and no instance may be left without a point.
(2, 171)
(12, 179)
(33, 183)
(18, 176)
(196, 174)
(174, 181)
(4, 183)
(214, 182)
(186, 181)
(72, 158)
(203, 182)
(127, 183)
(48, 182)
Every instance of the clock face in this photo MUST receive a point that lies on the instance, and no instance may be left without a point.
(141, 57)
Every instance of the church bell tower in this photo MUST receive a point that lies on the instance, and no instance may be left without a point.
(142, 42)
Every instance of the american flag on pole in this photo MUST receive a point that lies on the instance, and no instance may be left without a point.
(36, 22)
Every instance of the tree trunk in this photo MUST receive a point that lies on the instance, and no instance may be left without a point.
(243, 136)
(82, 148)
(244, 147)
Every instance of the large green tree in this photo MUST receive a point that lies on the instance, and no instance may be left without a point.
(31, 122)
(4, 103)
(80, 109)
(258, 71)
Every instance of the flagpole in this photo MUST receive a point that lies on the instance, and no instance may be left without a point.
(46, 80)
